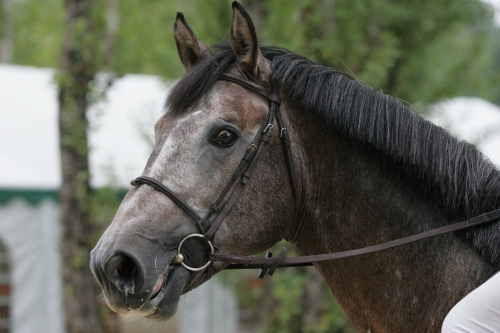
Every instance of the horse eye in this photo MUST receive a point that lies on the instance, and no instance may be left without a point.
(226, 138)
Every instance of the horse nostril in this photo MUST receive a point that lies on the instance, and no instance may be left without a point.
(122, 271)
(126, 269)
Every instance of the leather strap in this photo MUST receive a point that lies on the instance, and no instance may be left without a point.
(242, 262)
(252, 86)
(169, 193)
(286, 143)
(265, 138)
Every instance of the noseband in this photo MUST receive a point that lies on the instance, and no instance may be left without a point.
(209, 224)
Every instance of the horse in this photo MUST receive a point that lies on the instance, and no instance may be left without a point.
(366, 170)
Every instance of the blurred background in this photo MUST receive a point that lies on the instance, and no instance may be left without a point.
(82, 83)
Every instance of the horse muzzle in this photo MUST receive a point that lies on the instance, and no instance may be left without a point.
(136, 275)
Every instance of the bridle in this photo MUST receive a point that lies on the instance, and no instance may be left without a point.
(209, 224)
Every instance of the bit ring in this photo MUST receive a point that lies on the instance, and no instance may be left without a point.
(191, 268)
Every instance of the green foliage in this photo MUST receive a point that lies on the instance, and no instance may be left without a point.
(38, 32)
(286, 302)
(104, 204)
(145, 42)
(419, 51)
(286, 315)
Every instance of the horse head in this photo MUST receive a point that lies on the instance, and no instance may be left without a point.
(198, 148)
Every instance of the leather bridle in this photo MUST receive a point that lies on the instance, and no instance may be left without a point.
(209, 224)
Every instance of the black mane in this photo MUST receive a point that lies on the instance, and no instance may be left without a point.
(453, 171)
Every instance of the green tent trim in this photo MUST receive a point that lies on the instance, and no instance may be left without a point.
(35, 196)
(31, 196)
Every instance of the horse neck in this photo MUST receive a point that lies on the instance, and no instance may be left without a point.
(352, 199)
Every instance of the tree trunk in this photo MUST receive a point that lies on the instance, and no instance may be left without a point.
(113, 23)
(6, 40)
(77, 69)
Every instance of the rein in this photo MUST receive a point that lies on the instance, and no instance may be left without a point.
(209, 224)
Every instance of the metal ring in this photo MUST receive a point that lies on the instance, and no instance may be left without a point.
(282, 130)
(267, 127)
(191, 268)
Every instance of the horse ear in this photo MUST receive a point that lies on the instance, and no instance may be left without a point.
(190, 48)
(245, 46)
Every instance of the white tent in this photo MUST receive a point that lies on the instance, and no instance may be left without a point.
(120, 135)
(29, 128)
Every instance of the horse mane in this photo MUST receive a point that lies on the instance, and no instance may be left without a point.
(453, 171)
